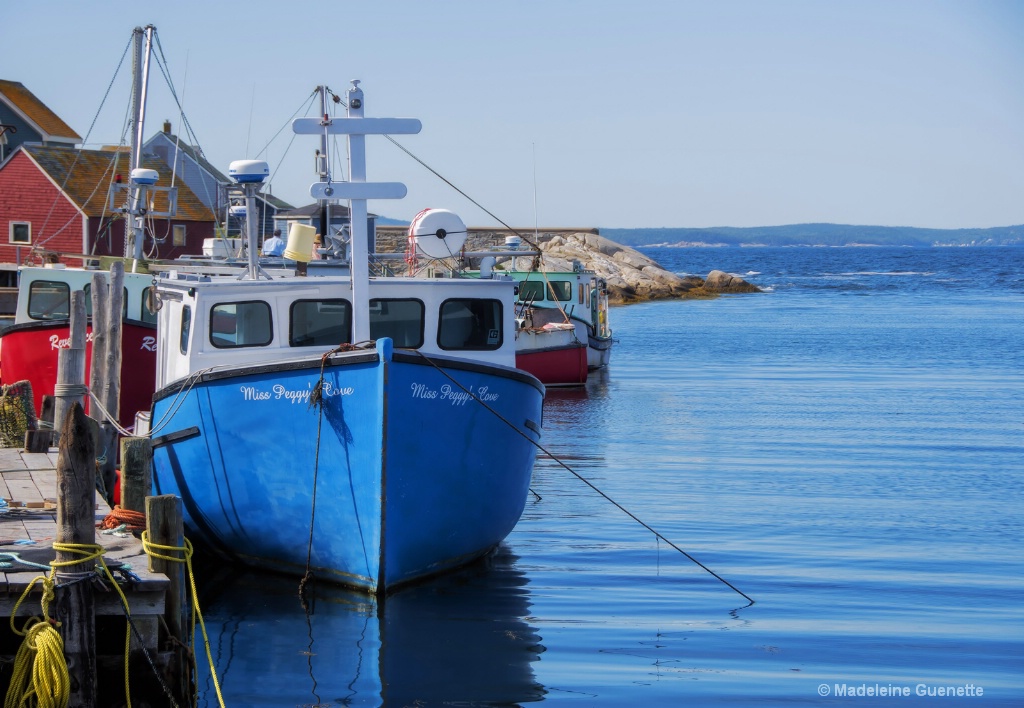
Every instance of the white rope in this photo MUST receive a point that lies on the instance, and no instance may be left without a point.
(179, 401)
(106, 414)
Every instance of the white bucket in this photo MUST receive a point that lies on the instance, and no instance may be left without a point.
(300, 243)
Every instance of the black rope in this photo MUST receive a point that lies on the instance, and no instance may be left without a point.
(450, 184)
(339, 99)
(145, 652)
(585, 480)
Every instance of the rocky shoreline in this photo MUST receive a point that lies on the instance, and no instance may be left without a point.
(632, 276)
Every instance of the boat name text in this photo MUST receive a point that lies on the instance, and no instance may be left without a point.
(293, 395)
(56, 342)
(451, 394)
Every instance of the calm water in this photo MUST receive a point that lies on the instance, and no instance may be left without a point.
(846, 448)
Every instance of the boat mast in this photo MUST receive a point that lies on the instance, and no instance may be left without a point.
(359, 255)
(140, 86)
(357, 189)
(324, 168)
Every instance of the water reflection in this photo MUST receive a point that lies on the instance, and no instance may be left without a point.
(461, 638)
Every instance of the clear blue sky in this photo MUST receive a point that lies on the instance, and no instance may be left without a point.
(615, 114)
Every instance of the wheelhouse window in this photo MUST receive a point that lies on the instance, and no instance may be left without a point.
(20, 233)
(49, 300)
(314, 323)
(186, 327)
(148, 296)
(536, 290)
(531, 291)
(560, 290)
(400, 319)
(471, 324)
(240, 324)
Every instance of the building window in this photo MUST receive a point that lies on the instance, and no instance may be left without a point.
(21, 233)
(178, 235)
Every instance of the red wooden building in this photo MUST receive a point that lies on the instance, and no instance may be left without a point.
(58, 202)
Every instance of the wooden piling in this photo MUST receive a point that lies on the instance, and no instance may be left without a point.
(105, 379)
(29, 482)
(136, 473)
(165, 527)
(76, 503)
(100, 313)
(70, 388)
(39, 440)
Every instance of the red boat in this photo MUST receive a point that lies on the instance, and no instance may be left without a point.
(28, 348)
(29, 352)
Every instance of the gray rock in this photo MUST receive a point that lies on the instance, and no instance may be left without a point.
(722, 282)
(631, 276)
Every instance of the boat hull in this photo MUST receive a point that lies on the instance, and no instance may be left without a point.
(29, 352)
(399, 473)
(564, 365)
(599, 351)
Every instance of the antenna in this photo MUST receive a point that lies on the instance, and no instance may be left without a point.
(536, 227)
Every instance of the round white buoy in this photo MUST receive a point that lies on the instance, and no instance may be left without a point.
(438, 233)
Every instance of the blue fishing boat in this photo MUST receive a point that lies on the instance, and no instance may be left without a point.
(370, 431)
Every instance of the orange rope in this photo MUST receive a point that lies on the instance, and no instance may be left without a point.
(135, 520)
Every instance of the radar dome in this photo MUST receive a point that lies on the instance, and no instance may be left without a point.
(248, 170)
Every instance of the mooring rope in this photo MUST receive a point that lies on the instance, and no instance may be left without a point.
(316, 399)
(151, 550)
(584, 479)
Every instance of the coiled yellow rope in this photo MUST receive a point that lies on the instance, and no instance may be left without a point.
(151, 550)
(42, 652)
(95, 552)
(40, 675)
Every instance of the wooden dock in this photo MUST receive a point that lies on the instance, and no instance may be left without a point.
(28, 482)
(28, 527)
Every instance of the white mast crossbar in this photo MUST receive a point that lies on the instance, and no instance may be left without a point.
(357, 189)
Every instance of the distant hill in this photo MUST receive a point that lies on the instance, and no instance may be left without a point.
(387, 221)
(818, 235)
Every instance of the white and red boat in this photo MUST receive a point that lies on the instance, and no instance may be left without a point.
(29, 347)
(562, 316)
(552, 353)
(577, 297)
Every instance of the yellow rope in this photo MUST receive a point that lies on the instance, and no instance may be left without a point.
(186, 558)
(40, 676)
(95, 552)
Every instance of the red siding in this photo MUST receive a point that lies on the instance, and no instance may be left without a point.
(27, 195)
